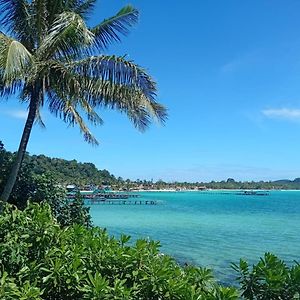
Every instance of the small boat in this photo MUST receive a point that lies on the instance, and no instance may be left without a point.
(253, 193)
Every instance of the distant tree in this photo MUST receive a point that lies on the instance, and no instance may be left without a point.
(230, 180)
(50, 57)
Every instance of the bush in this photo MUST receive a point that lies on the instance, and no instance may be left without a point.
(270, 279)
(32, 187)
(44, 188)
(42, 260)
(73, 211)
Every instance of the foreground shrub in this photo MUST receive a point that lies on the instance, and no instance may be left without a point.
(41, 260)
(270, 279)
(33, 186)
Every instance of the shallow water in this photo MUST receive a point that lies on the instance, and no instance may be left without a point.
(211, 229)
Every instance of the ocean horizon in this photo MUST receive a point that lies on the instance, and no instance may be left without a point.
(211, 229)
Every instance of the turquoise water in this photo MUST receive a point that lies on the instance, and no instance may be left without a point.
(211, 229)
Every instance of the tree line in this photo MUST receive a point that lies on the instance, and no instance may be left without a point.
(66, 172)
(63, 171)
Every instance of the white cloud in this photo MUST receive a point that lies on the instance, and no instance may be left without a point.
(243, 61)
(18, 114)
(231, 66)
(283, 113)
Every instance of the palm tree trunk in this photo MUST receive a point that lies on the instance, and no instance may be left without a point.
(21, 151)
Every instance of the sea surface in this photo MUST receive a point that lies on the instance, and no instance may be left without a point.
(211, 229)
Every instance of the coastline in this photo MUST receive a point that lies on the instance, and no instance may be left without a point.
(211, 190)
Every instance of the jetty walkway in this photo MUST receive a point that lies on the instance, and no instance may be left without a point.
(105, 201)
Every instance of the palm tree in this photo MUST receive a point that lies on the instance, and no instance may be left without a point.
(50, 57)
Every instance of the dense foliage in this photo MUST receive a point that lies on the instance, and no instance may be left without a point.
(66, 172)
(270, 279)
(63, 171)
(40, 260)
(34, 186)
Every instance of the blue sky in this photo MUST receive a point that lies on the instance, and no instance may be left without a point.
(229, 73)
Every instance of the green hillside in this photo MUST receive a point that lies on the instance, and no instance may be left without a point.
(64, 171)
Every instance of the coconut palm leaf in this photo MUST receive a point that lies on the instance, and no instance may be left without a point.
(116, 96)
(68, 36)
(81, 7)
(119, 93)
(39, 120)
(14, 60)
(15, 18)
(109, 30)
(68, 85)
(118, 71)
(58, 76)
(20, 20)
(67, 110)
(84, 8)
(106, 94)
(139, 109)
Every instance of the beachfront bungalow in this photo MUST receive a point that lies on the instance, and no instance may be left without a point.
(202, 188)
(71, 188)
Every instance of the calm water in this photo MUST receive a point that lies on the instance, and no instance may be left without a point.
(211, 229)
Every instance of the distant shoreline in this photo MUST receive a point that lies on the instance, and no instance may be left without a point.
(212, 190)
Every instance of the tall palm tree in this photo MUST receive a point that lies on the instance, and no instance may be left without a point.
(49, 56)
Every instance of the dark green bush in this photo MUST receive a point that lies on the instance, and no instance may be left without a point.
(41, 260)
(43, 187)
(70, 212)
(270, 279)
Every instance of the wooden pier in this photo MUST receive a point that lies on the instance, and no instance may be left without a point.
(238, 192)
(105, 201)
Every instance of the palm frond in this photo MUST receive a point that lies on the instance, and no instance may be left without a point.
(66, 88)
(110, 29)
(81, 7)
(14, 60)
(91, 92)
(67, 37)
(114, 83)
(66, 109)
(140, 110)
(15, 17)
(91, 114)
(84, 7)
(9, 90)
(116, 70)
(57, 75)
(39, 120)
